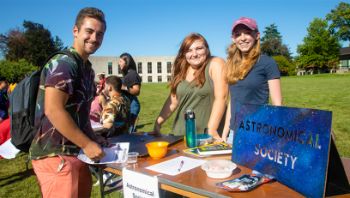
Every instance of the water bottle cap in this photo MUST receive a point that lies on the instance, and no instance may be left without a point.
(189, 111)
(189, 114)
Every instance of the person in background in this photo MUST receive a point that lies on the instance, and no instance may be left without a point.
(12, 86)
(5, 130)
(4, 116)
(62, 114)
(115, 113)
(96, 108)
(114, 117)
(4, 100)
(252, 76)
(101, 82)
(132, 85)
(197, 83)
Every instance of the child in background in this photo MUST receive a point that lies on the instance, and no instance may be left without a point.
(115, 115)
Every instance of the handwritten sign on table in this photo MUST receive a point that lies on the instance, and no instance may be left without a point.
(139, 185)
(291, 144)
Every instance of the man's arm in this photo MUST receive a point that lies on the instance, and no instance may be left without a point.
(55, 101)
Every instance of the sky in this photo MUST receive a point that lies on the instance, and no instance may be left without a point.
(157, 27)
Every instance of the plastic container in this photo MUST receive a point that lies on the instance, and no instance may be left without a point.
(132, 157)
(204, 139)
(219, 169)
(158, 149)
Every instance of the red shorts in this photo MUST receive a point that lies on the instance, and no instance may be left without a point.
(63, 176)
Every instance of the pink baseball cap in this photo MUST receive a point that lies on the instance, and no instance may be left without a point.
(249, 22)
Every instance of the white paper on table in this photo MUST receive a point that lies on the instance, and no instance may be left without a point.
(8, 150)
(115, 154)
(173, 167)
(96, 126)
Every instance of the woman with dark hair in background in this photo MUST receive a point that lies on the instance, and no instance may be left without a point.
(132, 85)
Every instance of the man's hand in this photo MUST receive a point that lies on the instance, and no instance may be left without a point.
(93, 151)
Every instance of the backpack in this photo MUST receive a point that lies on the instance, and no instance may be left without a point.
(22, 106)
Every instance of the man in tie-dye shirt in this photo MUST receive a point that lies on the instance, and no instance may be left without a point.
(62, 114)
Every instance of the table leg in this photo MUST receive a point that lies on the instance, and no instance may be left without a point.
(102, 185)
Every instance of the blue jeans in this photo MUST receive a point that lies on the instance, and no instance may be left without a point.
(135, 108)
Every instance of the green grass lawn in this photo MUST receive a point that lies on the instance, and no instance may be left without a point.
(326, 92)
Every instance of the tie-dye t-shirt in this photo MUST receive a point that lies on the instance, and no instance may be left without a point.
(117, 112)
(62, 72)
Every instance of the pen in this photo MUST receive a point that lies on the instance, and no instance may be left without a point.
(181, 165)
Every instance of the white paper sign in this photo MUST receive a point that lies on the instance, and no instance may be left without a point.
(176, 166)
(139, 185)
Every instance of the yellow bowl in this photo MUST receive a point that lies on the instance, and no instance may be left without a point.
(157, 150)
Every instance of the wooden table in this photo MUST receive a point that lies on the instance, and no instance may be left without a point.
(195, 183)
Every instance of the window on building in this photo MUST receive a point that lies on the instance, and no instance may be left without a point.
(168, 78)
(159, 78)
(344, 63)
(149, 79)
(139, 67)
(168, 67)
(159, 67)
(149, 67)
(110, 69)
(141, 78)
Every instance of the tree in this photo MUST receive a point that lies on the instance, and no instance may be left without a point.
(15, 71)
(13, 45)
(271, 43)
(286, 67)
(320, 49)
(340, 21)
(271, 32)
(34, 44)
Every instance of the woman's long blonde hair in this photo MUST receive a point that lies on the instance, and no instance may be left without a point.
(236, 67)
(181, 65)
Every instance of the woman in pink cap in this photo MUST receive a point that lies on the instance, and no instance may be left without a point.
(252, 76)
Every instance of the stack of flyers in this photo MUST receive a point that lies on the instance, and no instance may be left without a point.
(245, 182)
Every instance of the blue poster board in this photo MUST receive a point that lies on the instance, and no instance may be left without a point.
(291, 144)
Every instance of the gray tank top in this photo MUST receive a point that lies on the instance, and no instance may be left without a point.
(198, 99)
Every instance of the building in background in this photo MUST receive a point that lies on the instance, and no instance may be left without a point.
(344, 60)
(150, 68)
(343, 66)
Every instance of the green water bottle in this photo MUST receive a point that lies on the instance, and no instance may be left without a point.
(191, 140)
